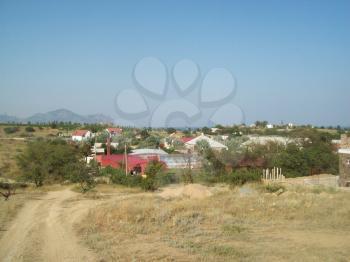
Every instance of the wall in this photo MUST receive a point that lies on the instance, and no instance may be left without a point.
(344, 162)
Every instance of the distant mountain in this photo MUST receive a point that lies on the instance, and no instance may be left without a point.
(60, 115)
(4, 118)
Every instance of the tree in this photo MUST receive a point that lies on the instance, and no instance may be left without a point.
(144, 134)
(83, 174)
(47, 160)
(11, 129)
(29, 129)
(170, 130)
(153, 169)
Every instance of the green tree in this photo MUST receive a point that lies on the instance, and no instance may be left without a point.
(83, 174)
(153, 169)
(29, 129)
(46, 161)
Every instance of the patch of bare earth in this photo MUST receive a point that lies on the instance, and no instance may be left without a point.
(43, 230)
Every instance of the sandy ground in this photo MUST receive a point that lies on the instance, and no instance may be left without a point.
(43, 230)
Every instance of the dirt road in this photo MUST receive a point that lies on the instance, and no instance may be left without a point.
(43, 230)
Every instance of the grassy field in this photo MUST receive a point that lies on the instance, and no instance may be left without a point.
(39, 132)
(243, 224)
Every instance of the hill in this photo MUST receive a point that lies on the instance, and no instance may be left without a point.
(60, 115)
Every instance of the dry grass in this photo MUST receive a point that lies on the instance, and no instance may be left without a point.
(43, 132)
(300, 224)
(9, 150)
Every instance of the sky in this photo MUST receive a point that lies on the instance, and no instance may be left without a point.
(290, 59)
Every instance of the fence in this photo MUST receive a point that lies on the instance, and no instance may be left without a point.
(274, 174)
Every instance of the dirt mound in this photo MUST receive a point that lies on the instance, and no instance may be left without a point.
(194, 191)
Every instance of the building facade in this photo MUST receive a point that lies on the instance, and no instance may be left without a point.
(344, 161)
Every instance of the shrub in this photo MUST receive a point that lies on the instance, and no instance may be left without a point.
(11, 129)
(164, 179)
(275, 187)
(153, 170)
(118, 177)
(242, 176)
(30, 129)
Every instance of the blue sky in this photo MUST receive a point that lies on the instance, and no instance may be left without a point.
(291, 59)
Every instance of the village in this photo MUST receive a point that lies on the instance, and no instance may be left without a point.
(190, 131)
(178, 151)
(221, 188)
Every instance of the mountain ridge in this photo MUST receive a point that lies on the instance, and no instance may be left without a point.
(59, 115)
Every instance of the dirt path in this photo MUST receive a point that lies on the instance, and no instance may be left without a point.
(43, 230)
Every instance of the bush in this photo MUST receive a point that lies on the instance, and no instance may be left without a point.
(155, 177)
(118, 177)
(166, 179)
(242, 176)
(30, 129)
(153, 170)
(11, 129)
(275, 187)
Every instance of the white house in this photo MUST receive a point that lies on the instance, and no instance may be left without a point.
(269, 126)
(81, 135)
(264, 140)
(212, 143)
(147, 152)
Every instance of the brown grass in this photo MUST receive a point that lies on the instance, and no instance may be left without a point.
(44, 132)
(9, 150)
(300, 224)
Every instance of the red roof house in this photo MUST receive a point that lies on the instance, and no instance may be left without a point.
(186, 139)
(80, 135)
(113, 131)
(135, 163)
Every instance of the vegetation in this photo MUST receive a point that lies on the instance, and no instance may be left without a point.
(11, 129)
(241, 176)
(30, 129)
(227, 226)
(55, 161)
(155, 176)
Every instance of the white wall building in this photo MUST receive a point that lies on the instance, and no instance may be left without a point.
(212, 143)
(81, 135)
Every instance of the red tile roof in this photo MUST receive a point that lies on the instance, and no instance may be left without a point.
(80, 132)
(114, 130)
(117, 160)
(186, 139)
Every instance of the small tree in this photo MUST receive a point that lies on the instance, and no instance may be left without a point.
(29, 129)
(153, 169)
(83, 175)
(11, 129)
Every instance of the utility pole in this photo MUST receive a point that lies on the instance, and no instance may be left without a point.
(126, 160)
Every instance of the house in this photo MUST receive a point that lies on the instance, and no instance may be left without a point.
(215, 129)
(264, 140)
(344, 161)
(185, 139)
(147, 153)
(114, 131)
(135, 164)
(269, 126)
(212, 143)
(81, 135)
